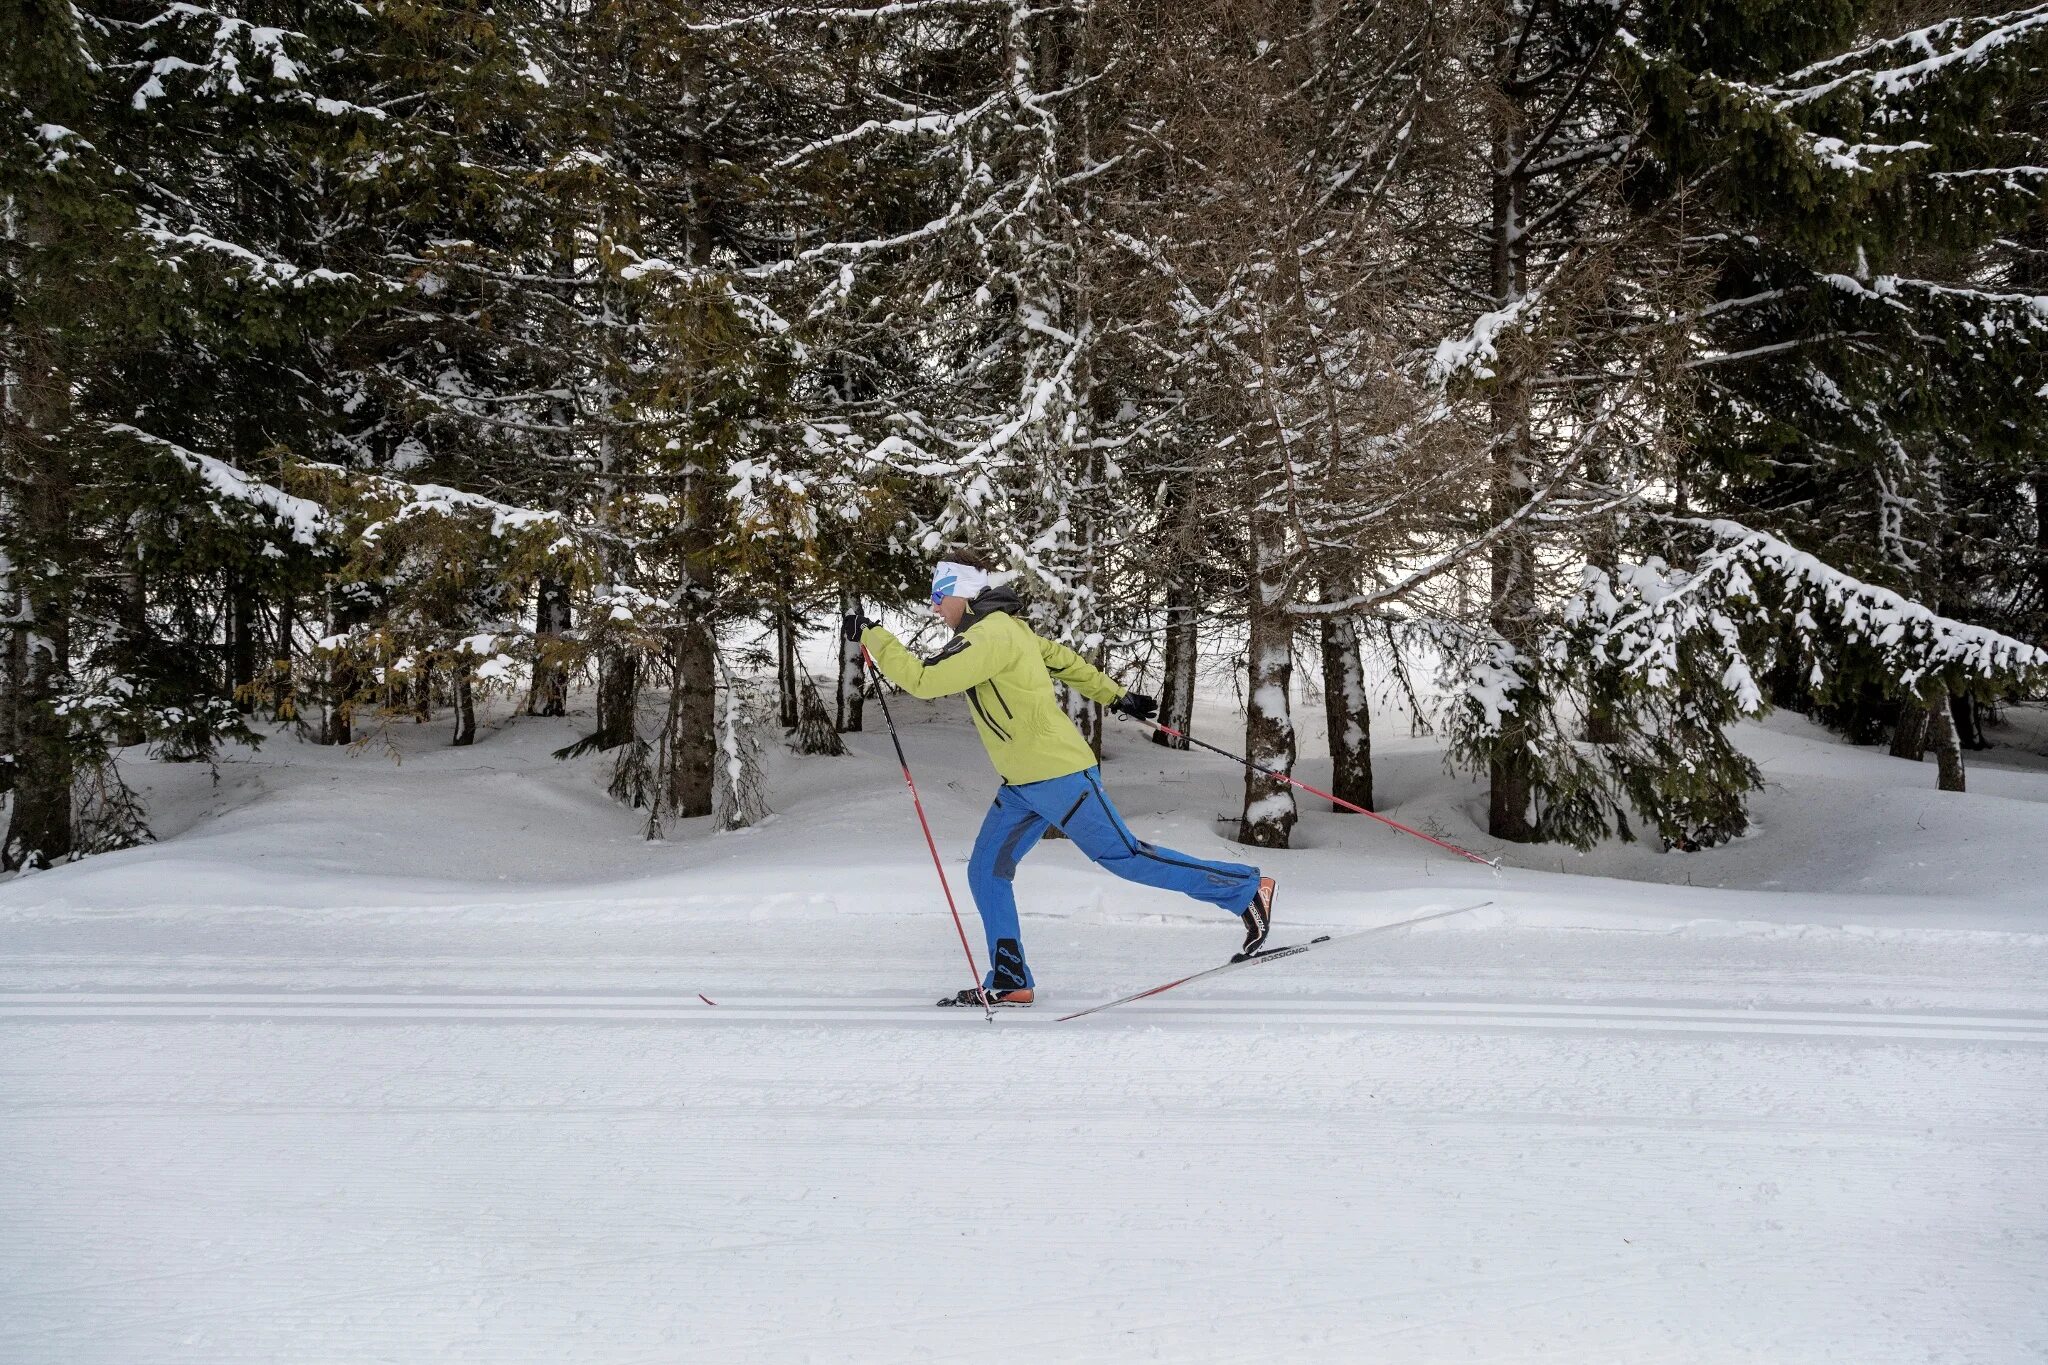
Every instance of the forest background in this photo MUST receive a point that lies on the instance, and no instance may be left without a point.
(1601, 373)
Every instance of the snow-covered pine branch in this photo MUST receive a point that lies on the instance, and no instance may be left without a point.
(304, 521)
(1898, 66)
(1828, 612)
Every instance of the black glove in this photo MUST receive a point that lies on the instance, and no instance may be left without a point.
(854, 624)
(1136, 704)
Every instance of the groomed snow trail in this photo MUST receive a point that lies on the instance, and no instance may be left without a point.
(1390, 1157)
(419, 1007)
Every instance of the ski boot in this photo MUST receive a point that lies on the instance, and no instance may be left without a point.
(997, 999)
(1258, 920)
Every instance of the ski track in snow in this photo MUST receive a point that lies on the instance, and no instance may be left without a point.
(734, 1010)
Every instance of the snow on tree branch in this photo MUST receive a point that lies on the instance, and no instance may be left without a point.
(928, 125)
(307, 521)
(262, 270)
(825, 13)
(1943, 47)
(1916, 643)
(242, 60)
(1476, 352)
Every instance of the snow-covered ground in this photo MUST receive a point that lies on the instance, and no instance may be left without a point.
(373, 1060)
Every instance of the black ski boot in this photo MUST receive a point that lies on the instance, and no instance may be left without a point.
(1009, 983)
(1258, 920)
(998, 999)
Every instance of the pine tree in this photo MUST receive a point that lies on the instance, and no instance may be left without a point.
(1871, 363)
(161, 295)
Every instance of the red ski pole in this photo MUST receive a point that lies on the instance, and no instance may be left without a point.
(1464, 853)
(881, 692)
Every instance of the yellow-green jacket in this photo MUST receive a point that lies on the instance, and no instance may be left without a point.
(1007, 673)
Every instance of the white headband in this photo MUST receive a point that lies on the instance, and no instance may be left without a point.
(957, 580)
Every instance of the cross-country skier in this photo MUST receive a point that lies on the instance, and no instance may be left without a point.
(1049, 773)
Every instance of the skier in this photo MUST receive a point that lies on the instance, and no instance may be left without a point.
(1049, 774)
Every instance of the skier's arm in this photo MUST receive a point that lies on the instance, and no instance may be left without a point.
(957, 667)
(1076, 672)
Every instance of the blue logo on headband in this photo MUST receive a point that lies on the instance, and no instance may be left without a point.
(943, 587)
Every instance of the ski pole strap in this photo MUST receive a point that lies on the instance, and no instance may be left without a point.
(1293, 781)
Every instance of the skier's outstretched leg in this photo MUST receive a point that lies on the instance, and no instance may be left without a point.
(1008, 832)
(1096, 828)
(1083, 811)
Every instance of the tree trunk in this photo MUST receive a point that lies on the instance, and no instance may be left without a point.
(2040, 543)
(39, 832)
(1182, 649)
(1969, 723)
(10, 689)
(1177, 687)
(549, 694)
(1909, 735)
(1943, 739)
(241, 644)
(284, 702)
(692, 735)
(423, 696)
(618, 698)
(465, 709)
(787, 706)
(338, 690)
(1346, 709)
(1510, 773)
(852, 671)
(694, 723)
(1513, 563)
(134, 639)
(337, 708)
(1269, 809)
(40, 562)
(1087, 715)
(2041, 547)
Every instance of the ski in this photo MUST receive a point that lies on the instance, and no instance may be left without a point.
(1269, 955)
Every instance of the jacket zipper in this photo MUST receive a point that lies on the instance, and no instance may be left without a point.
(974, 698)
(997, 693)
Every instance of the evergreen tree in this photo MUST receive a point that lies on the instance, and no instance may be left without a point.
(1873, 361)
(162, 291)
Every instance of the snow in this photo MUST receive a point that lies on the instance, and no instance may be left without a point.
(262, 270)
(1938, 42)
(408, 1059)
(1477, 351)
(62, 144)
(439, 500)
(1273, 806)
(926, 124)
(1491, 683)
(306, 521)
(1914, 640)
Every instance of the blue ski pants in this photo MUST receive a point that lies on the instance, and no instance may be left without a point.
(1077, 805)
